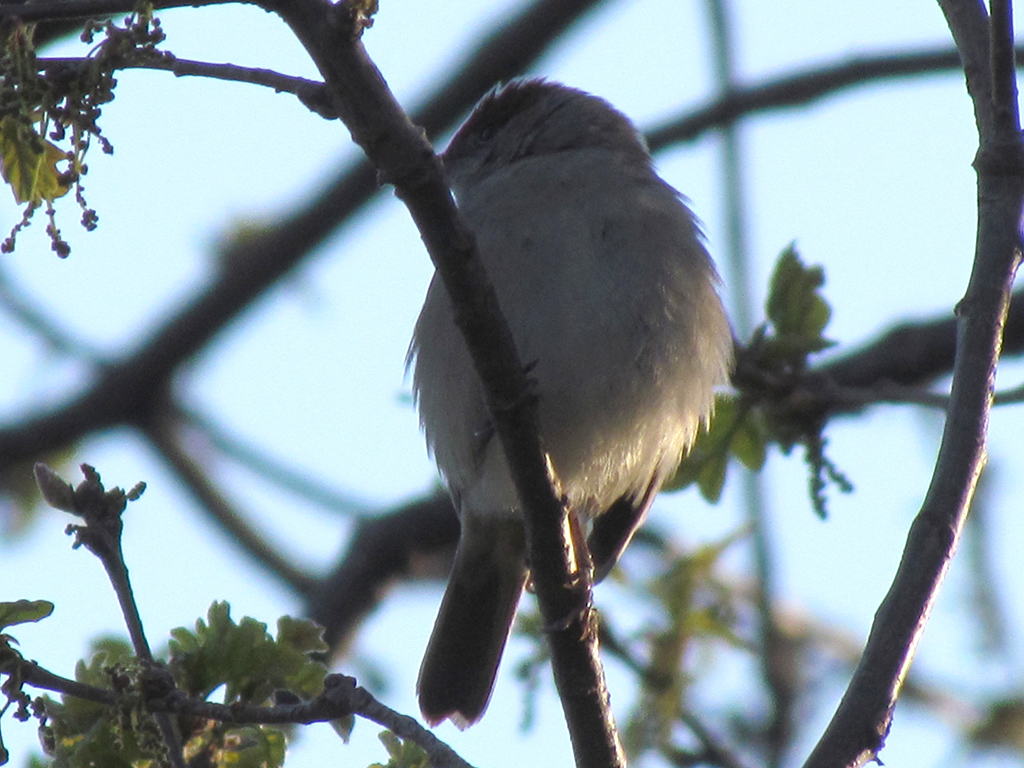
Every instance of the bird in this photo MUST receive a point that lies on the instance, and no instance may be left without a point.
(602, 275)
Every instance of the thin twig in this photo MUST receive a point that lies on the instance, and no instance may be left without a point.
(101, 511)
(310, 92)
(799, 89)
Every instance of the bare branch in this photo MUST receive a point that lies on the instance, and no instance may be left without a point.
(101, 511)
(404, 159)
(859, 727)
(55, 10)
(799, 89)
(416, 540)
(310, 92)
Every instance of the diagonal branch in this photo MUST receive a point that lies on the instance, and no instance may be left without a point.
(405, 159)
(799, 89)
(859, 726)
(126, 391)
(163, 434)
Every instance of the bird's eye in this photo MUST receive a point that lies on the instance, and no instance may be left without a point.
(487, 132)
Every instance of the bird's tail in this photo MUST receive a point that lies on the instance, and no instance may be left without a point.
(473, 624)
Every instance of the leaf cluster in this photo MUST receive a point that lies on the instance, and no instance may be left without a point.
(777, 399)
(12, 614)
(246, 665)
(240, 661)
(245, 659)
(49, 115)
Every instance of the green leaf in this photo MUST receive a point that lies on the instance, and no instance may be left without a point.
(749, 442)
(245, 659)
(28, 163)
(343, 726)
(301, 634)
(402, 754)
(796, 308)
(793, 305)
(736, 430)
(23, 611)
(711, 478)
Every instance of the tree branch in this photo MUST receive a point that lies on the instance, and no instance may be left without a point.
(38, 677)
(309, 92)
(404, 158)
(860, 724)
(415, 540)
(127, 390)
(341, 697)
(57, 10)
(101, 534)
(798, 89)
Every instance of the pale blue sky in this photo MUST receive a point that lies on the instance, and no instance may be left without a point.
(874, 184)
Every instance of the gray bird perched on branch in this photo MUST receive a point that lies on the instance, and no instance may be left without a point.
(611, 299)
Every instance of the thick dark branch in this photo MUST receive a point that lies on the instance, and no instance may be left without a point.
(969, 25)
(404, 158)
(914, 354)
